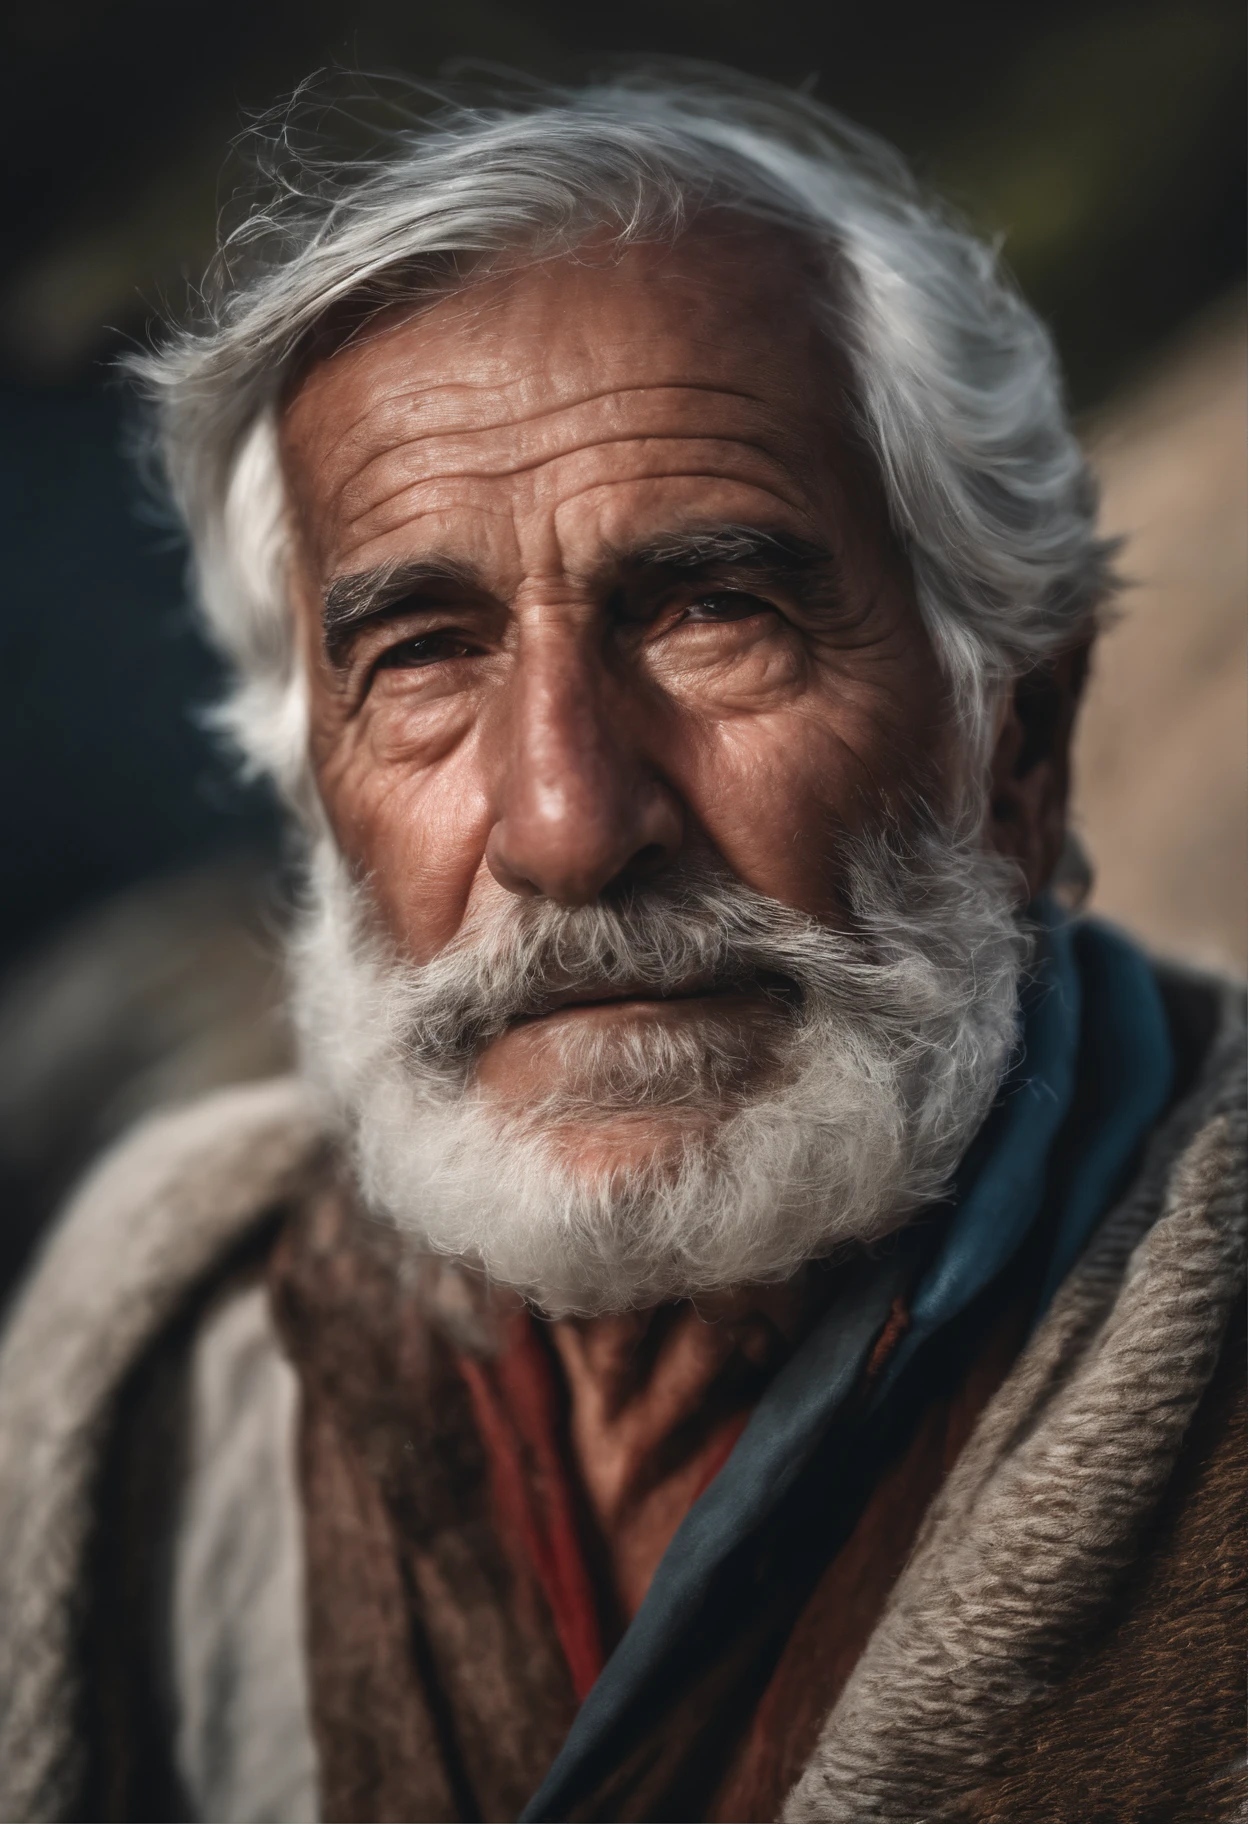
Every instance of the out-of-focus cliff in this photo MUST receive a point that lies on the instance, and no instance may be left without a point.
(1161, 764)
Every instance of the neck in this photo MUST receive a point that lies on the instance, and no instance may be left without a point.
(658, 1397)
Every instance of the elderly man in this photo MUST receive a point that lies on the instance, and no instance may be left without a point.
(735, 1317)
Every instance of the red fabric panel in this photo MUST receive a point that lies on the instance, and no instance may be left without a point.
(518, 1403)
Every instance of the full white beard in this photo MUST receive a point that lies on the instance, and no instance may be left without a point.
(881, 1072)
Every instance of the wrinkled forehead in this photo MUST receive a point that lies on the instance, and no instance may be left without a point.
(721, 339)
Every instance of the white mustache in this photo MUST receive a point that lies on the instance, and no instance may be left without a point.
(701, 930)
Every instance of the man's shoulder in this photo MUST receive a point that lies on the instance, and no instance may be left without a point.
(159, 1216)
(1083, 1518)
(1148, 1718)
(155, 1214)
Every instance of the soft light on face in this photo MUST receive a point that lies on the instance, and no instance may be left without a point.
(592, 588)
(880, 1063)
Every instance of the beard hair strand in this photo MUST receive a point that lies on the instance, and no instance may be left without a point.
(892, 1039)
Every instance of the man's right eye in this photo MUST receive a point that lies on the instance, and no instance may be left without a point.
(425, 649)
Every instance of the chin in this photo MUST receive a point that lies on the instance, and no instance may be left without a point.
(601, 1145)
(678, 1063)
(623, 1100)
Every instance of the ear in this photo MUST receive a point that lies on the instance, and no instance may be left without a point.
(1031, 766)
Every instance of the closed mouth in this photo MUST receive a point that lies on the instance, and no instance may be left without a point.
(779, 990)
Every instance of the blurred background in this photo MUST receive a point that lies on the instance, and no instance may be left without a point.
(1101, 140)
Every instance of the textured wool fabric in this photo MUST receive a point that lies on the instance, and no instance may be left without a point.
(1072, 1531)
(439, 1671)
(1032, 1535)
(439, 1690)
(153, 1220)
(1149, 1721)
(243, 1744)
(829, 1635)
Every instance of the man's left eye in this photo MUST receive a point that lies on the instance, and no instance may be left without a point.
(726, 605)
(424, 649)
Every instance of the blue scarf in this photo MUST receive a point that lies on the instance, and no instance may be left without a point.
(1093, 1073)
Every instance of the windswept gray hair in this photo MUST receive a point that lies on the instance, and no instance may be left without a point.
(954, 379)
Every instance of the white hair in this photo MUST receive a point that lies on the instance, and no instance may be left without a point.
(884, 1058)
(955, 385)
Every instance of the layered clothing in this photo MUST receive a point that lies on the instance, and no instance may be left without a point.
(291, 1529)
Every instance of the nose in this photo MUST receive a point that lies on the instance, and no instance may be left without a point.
(579, 806)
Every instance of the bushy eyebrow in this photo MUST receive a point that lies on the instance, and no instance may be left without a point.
(810, 572)
(737, 546)
(352, 601)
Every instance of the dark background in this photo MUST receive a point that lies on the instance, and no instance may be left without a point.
(1102, 141)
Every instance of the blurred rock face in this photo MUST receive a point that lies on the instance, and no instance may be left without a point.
(175, 988)
(1161, 761)
(166, 992)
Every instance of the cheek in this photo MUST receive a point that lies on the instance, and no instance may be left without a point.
(743, 668)
(767, 792)
(413, 823)
(776, 792)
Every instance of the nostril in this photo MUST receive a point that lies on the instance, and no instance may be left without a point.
(646, 863)
(648, 860)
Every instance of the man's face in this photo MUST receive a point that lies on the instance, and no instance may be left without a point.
(591, 584)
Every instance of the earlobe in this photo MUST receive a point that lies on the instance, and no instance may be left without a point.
(1030, 778)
